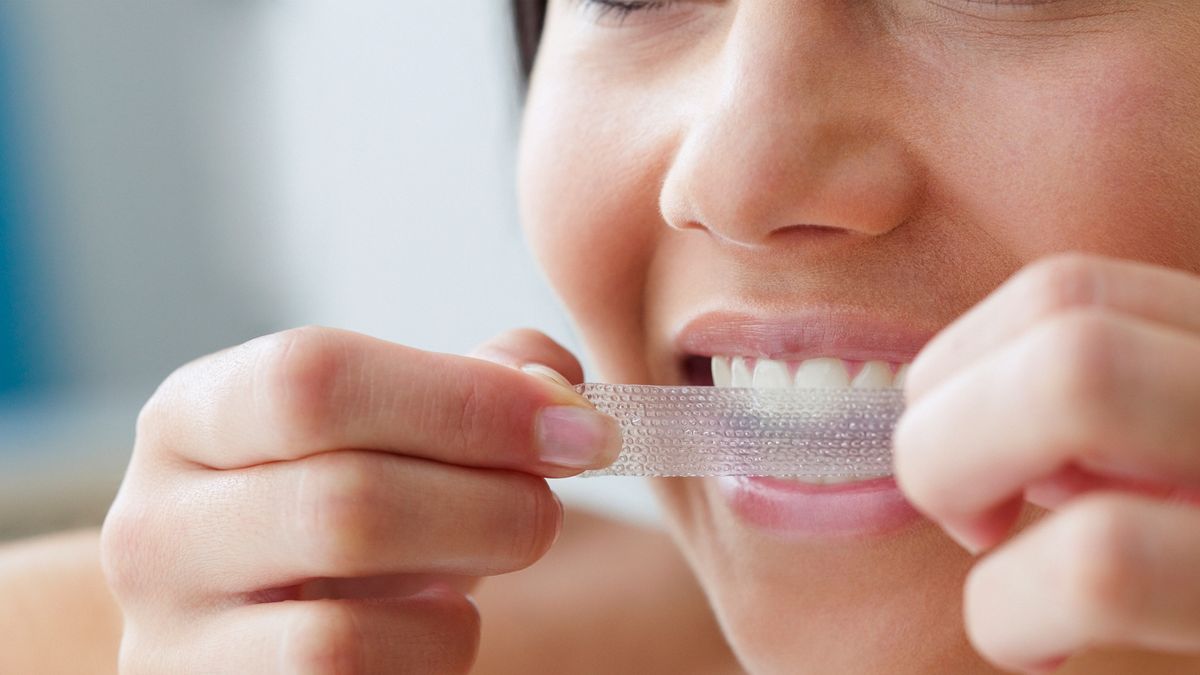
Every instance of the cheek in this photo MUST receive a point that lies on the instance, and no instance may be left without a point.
(1099, 154)
(589, 208)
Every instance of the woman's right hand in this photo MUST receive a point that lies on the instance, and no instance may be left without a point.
(317, 501)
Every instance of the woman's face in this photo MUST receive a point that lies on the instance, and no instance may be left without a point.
(789, 180)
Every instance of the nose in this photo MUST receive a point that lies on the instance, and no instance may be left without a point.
(789, 132)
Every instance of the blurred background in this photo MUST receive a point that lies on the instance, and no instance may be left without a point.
(178, 177)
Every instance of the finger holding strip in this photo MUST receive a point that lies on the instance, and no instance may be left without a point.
(1106, 393)
(1051, 287)
(307, 391)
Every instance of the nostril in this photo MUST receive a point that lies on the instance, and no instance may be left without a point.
(807, 231)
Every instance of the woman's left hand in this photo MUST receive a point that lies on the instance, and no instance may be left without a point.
(1076, 386)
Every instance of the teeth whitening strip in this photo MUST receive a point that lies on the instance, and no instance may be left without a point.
(736, 431)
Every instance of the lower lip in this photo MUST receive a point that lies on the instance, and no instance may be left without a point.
(792, 509)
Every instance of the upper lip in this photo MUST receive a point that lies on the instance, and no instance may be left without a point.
(846, 333)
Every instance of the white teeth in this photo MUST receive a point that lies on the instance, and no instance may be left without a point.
(722, 376)
(741, 371)
(873, 374)
(823, 372)
(770, 374)
(745, 371)
(742, 375)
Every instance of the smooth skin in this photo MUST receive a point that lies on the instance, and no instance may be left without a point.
(928, 161)
(341, 496)
(1108, 439)
(390, 546)
(919, 161)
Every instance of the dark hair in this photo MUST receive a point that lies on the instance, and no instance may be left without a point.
(528, 18)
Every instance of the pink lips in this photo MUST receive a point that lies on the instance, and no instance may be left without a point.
(792, 509)
(844, 333)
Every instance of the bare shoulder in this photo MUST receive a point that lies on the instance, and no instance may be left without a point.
(54, 594)
(608, 598)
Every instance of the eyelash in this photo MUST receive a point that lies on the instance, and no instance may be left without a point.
(621, 9)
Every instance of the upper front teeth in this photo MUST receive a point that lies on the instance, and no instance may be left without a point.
(740, 371)
(821, 373)
(875, 374)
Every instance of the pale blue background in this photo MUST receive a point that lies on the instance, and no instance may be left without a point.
(21, 368)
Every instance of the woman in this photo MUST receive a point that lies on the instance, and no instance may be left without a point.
(782, 192)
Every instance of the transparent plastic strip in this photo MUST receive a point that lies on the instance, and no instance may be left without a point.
(711, 431)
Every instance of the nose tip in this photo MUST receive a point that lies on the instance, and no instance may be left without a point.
(749, 190)
(753, 216)
(782, 143)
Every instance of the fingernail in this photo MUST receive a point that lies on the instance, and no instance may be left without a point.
(577, 438)
(548, 373)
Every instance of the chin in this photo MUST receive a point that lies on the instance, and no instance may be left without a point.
(888, 602)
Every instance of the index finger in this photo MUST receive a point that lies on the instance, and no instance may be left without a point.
(1048, 288)
(1053, 401)
(312, 390)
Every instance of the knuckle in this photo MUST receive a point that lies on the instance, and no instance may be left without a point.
(1061, 282)
(1076, 360)
(323, 639)
(464, 413)
(477, 411)
(297, 378)
(1078, 355)
(124, 538)
(472, 406)
(155, 417)
(339, 506)
(1098, 572)
(151, 419)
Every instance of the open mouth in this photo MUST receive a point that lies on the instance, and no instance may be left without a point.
(762, 373)
(818, 372)
(817, 347)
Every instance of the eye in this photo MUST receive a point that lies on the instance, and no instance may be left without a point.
(619, 11)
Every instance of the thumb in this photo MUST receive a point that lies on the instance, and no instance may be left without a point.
(534, 352)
